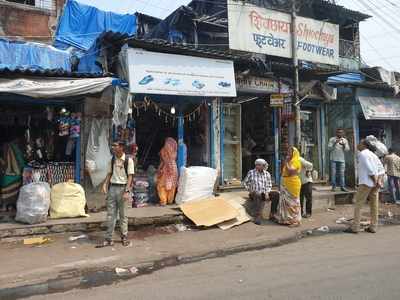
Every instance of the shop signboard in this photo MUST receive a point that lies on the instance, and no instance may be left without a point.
(260, 85)
(171, 74)
(277, 100)
(266, 31)
(380, 108)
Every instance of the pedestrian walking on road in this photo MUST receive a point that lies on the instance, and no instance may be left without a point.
(306, 188)
(370, 180)
(289, 209)
(392, 166)
(337, 147)
(259, 184)
(117, 186)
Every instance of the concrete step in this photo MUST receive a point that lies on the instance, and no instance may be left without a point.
(138, 218)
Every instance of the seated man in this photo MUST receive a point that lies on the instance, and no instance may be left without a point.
(258, 183)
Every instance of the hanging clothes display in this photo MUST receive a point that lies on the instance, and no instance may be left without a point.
(167, 174)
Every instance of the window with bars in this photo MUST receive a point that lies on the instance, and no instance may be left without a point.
(41, 4)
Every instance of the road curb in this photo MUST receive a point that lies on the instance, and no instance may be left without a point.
(94, 277)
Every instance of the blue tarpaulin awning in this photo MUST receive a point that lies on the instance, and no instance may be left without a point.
(81, 25)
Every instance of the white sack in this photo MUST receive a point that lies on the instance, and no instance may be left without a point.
(381, 149)
(195, 183)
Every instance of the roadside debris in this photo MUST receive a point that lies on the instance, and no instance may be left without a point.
(79, 237)
(342, 220)
(37, 241)
(323, 229)
(181, 227)
(125, 272)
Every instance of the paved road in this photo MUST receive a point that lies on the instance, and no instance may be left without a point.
(334, 267)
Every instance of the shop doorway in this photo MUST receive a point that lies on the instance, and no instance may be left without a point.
(311, 137)
(258, 135)
(152, 129)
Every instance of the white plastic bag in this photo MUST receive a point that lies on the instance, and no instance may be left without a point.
(98, 154)
(33, 203)
(195, 183)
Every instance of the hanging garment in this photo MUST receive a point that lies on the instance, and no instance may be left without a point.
(167, 174)
(98, 154)
(122, 105)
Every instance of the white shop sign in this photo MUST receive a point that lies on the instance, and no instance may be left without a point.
(171, 74)
(261, 30)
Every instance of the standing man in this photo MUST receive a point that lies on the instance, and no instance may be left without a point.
(117, 186)
(370, 180)
(306, 187)
(392, 166)
(258, 183)
(337, 147)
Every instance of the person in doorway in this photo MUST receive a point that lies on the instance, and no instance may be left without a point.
(337, 147)
(259, 184)
(306, 187)
(392, 166)
(167, 173)
(118, 187)
(370, 180)
(289, 210)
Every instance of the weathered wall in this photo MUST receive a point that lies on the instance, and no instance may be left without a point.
(19, 21)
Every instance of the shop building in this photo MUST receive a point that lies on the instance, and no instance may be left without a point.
(366, 105)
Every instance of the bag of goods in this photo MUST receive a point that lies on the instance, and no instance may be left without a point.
(33, 203)
(67, 201)
(195, 183)
(381, 149)
(141, 199)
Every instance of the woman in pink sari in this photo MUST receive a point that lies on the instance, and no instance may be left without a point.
(167, 174)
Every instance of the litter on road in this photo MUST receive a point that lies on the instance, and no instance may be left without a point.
(37, 241)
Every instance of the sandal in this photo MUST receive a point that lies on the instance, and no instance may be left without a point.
(105, 243)
(125, 241)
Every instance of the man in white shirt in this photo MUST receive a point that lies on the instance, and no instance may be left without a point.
(118, 187)
(370, 180)
(337, 147)
(306, 187)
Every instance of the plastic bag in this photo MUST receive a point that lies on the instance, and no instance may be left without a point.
(33, 203)
(381, 149)
(98, 154)
(195, 183)
(67, 201)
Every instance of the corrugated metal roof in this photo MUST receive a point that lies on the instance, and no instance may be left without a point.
(48, 73)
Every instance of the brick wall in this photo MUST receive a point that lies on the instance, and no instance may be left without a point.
(24, 22)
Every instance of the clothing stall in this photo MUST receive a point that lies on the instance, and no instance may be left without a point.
(38, 143)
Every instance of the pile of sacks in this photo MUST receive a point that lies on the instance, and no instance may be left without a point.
(64, 200)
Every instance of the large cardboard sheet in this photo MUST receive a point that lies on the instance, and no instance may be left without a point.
(237, 202)
(210, 211)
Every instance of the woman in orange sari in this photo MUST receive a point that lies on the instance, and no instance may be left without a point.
(167, 173)
(289, 208)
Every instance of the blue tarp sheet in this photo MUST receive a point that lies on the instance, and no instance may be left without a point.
(16, 55)
(80, 25)
(346, 78)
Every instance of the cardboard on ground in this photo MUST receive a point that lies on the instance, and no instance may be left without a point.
(243, 217)
(210, 211)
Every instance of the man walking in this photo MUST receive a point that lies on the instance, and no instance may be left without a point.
(118, 186)
(392, 166)
(258, 183)
(370, 177)
(337, 147)
(306, 187)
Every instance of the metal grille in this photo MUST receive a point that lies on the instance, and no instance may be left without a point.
(348, 49)
(41, 4)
